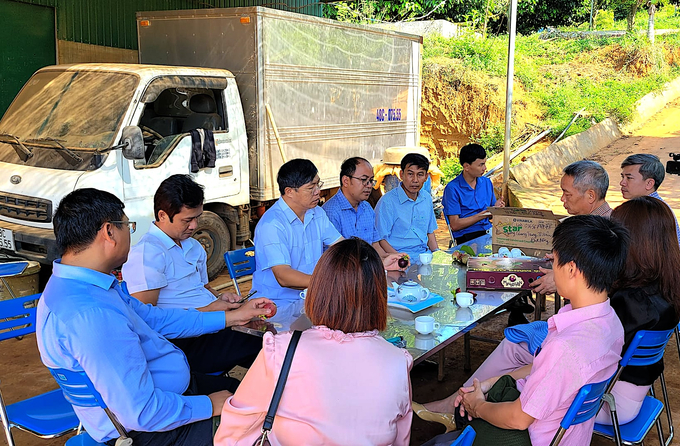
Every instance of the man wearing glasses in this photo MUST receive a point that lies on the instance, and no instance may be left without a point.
(348, 209)
(291, 236)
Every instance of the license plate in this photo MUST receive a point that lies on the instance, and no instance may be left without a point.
(6, 239)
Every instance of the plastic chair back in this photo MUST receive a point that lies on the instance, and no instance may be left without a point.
(17, 316)
(83, 439)
(240, 263)
(646, 348)
(9, 269)
(466, 438)
(585, 406)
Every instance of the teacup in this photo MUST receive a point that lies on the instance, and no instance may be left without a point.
(425, 258)
(303, 294)
(516, 252)
(464, 299)
(425, 342)
(426, 324)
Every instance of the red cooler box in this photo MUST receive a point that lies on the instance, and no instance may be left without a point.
(499, 273)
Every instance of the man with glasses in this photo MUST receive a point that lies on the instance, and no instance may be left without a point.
(291, 236)
(348, 209)
(167, 268)
(87, 321)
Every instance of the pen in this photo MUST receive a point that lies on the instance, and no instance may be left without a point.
(248, 296)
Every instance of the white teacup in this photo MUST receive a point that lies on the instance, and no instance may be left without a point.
(425, 258)
(426, 324)
(425, 342)
(303, 294)
(464, 299)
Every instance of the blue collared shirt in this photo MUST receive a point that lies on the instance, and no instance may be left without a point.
(282, 239)
(87, 322)
(180, 272)
(405, 223)
(350, 222)
(462, 200)
(656, 195)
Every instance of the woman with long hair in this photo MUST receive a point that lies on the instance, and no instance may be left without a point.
(647, 295)
(347, 385)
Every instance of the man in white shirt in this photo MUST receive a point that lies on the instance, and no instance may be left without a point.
(167, 268)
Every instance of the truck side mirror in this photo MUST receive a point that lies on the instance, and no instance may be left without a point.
(134, 140)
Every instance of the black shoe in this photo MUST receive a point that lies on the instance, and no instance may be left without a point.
(522, 305)
(516, 318)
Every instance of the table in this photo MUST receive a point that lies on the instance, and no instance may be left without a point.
(441, 277)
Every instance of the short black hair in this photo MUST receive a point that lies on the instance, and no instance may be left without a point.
(650, 167)
(349, 166)
(415, 159)
(176, 191)
(81, 214)
(295, 173)
(471, 152)
(597, 245)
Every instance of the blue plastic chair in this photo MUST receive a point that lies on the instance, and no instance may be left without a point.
(83, 439)
(585, 406)
(646, 348)
(48, 415)
(466, 438)
(79, 391)
(240, 263)
(9, 269)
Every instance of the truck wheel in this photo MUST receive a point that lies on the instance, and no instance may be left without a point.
(213, 234)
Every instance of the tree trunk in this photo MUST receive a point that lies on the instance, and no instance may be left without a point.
(650, 22)
(631, 17)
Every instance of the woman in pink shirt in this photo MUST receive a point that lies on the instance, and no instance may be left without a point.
(347, 385)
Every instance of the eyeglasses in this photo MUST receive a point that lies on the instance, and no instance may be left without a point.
(314, 186)
(366, 181)
(130, 224)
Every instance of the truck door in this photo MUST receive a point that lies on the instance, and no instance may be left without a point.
(171, 108)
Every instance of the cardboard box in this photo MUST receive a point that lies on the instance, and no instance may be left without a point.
(498, 273)
(530, 230)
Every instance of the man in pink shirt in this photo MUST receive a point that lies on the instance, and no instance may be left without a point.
(583, 344)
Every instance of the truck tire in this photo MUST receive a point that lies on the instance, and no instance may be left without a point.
(213, 234)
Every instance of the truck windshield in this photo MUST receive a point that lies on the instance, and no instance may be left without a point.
(65, 117)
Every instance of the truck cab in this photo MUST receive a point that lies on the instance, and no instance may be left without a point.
(123, 129)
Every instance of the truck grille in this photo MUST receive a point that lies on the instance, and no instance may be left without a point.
(25, 208)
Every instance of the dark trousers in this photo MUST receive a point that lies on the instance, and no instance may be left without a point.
(469, 236)
(199, 433)
(220, 351)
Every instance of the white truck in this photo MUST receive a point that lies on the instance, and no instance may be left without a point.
(272, 86)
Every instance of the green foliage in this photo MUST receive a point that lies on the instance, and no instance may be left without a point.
(451, 168)
(604, 20)
(492, 138)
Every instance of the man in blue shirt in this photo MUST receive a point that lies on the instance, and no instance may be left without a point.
(87, 322)
(348, 209)
(642, 174)
(290, 237)
(467, 196)
(167, 268)
(404, 216)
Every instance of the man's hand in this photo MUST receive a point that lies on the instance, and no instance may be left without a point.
(499, 203)
(250, 310)
(218, 399)
(472, 400)
(390, 262)
(545, 284)
(219, 305)
(484, 386)
(229, 297)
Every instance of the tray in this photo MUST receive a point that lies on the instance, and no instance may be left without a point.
(414, 307)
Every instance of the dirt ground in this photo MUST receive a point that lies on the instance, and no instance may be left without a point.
(22, 375)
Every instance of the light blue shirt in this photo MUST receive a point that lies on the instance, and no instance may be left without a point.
(180, 272)
(350, 222)
(87, 322)
(656, 195)
(405, 223)
(462, 200)
(282, 239)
